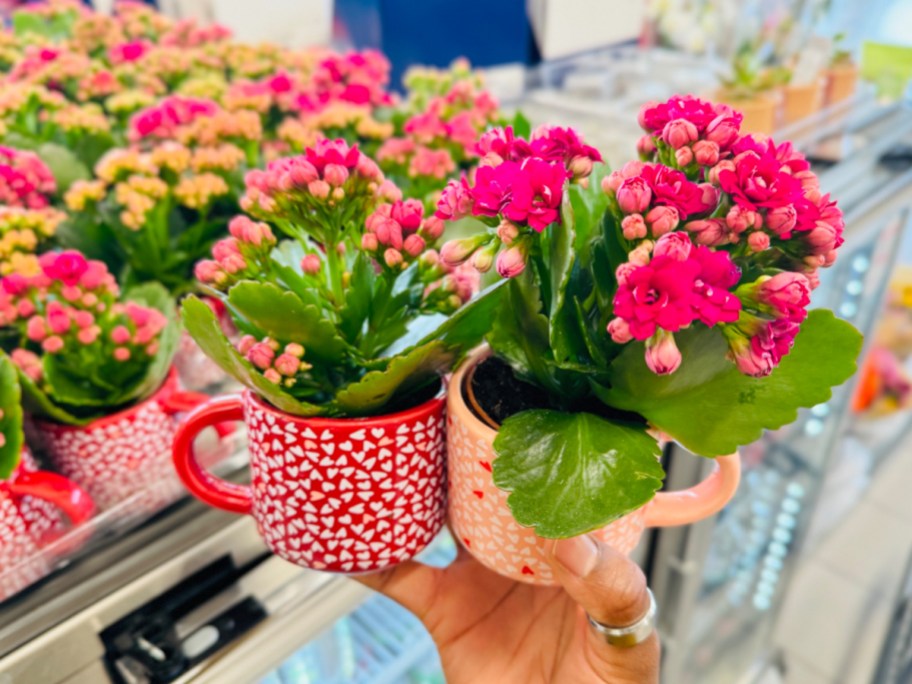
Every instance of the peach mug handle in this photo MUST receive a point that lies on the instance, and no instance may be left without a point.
(702, 500)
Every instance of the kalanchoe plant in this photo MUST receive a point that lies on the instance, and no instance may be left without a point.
(347, 317)
(668, 297)
(82, 350)
(151, 215)
(11, 437)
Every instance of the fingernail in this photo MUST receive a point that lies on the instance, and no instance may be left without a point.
(578, 555)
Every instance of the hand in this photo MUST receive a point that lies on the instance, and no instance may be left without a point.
(493, 630)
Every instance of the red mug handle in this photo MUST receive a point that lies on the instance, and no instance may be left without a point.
(204, 486)
(181, 401)
(702, 500)
(65, 494)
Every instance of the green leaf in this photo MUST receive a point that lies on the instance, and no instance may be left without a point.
(564, 336)
(522, 127)
(589, 206)
(204, 327)
(55, 28)
(65, 165)
(404, 374)
(519, 331)
(11, 422)
(155, 296)
(286, 262)
(358, 299)
(571, 473)
(711, 408)
(66, 388)
(36, 402)
(467, 327)
(282, 315)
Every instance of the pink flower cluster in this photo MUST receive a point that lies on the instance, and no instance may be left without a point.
(123, 53)
(162, 119)
(250, 242)
(669, 286)
(454, 120)
(72, 304)
(25, 180)
(356, 77)
(327, 173)
(416, 160)
(654, 199)
(398, 233)
(279, 365)
(550, 143)
(695, 131)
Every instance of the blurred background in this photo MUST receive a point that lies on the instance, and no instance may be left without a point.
(805, 577)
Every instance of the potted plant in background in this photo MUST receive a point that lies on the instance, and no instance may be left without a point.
(346, 339)
(663, 299)
(95, 369)
(751, 89)
(842, 75)
(31, 500)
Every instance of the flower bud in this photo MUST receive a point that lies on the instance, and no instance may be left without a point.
(295, 349)
(679, 133)
(612, 182)
(88, 335)
(758, 242)
(121, 354)
(723, 130)
(634, 227)
(740, 219)
(725, 165)
(369, 242)
(414, 245)
(272, 375)
(287, 364)
(619, 331)
(319, 189)
(662, 220)
(642, 254)
(512, 261)
(389, 192)
(392, 257)
(335, 175)
(303, 173)
(634, 195)
(507, 232)
(676, 245)
(35, 329)
(456, 252)
(311, 264)
(120, 335)
(782, 220)
(646, 146)
(787, 294)
(684, 156)
(245, 344)
(433, 227)
(261, 355)
(580, 167)
(709, 232)
(483, 259)
(706, 152)
(662, 354)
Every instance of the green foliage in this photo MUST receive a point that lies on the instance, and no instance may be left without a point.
(571, 473)
(711, 408)
(11, 421)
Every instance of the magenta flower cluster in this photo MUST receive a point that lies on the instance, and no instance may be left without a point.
(25, 180)
(71, 310)
(705, 205)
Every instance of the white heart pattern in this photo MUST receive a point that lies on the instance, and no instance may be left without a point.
(355, 482)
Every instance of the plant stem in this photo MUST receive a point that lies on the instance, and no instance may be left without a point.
(336, 267)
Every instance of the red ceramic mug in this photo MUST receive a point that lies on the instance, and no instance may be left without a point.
(342, 495)
(31, 503)
(126, 454)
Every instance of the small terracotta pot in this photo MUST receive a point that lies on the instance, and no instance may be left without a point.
(801, 101)
(486, 528)
(31, 504)
(759, 112)
(124, 455)
(842, 80)
(342, 495)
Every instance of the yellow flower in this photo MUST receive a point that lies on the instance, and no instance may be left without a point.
(82, 119)
(83, 193)
(197, 192)
(171, 155)
(298, 134)
(122, 162)
(225, 157)
(128, 101)
(24, 264)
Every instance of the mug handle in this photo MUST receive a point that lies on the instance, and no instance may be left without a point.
(204, 486)
(181, 401)
(65, 494)
(702, 500)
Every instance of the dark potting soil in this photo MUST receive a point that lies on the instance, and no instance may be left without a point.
(501, 394)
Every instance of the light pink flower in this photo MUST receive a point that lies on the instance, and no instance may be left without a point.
(662, 354)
